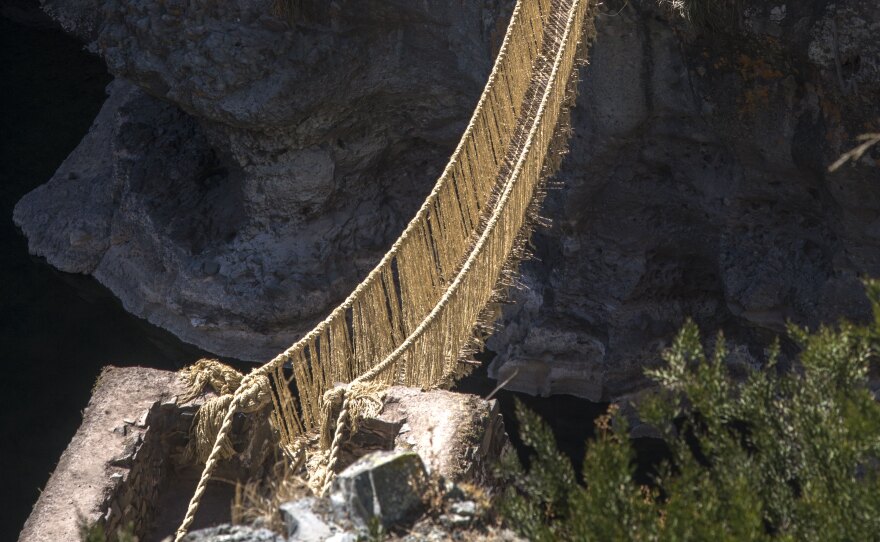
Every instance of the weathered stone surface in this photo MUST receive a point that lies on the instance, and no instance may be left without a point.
(386, 486)
(233, 533)
(126, 464)
(464, 508)
(695, 183)
(103, 472)
(696, 186)
(457, 435)
(303, 524)
(257, 168)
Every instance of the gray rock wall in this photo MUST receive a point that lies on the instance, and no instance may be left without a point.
(126, 467)
(247, 170)
(113, 469)
(696, 186)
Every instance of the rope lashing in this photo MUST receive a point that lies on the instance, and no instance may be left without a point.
(331, 410)
(344, 406)
(209, 418)
(212, 373)
(329, 469)
(209, 441)
(205, 428)
(365, 400)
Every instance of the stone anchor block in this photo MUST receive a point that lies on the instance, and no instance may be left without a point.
(384, 486)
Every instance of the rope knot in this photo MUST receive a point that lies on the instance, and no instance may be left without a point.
(236, 392)
(348, 404)
(254, 393)
(331, 407)
(220, 377)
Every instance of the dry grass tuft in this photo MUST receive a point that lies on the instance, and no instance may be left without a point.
(257, 501)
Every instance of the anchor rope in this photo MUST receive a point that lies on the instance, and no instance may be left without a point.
(414, 316)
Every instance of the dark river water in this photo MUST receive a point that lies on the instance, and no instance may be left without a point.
(57, 330)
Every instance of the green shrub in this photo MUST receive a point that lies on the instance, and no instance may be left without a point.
(780, 455)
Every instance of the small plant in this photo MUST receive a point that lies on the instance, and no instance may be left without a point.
(94, 532)
(375, 530)
(784, 455)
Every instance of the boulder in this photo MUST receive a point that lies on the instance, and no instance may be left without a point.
(457, 435)
(388, 487)
(303, 524)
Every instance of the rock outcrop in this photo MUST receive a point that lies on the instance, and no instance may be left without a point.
(125, 469)
(247, 170)
(128, 465)
(696, 186)
(458, 436)
(385, 492)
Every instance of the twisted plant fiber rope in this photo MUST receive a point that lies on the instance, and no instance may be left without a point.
(252, 385)
(498, 233)
(549, 86)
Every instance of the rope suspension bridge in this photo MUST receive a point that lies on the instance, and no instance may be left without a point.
(426, 305)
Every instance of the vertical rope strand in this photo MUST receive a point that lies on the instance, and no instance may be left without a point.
(414, 314)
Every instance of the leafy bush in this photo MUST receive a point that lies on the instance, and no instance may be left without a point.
(780, 455)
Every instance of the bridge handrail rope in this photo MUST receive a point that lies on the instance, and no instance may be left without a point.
(414, 314)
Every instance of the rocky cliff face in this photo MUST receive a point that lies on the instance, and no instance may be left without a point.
(696, 186)
(247, 170)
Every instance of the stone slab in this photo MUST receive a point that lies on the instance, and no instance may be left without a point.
(94, 461)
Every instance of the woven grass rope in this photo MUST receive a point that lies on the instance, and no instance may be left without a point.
(425, 305)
